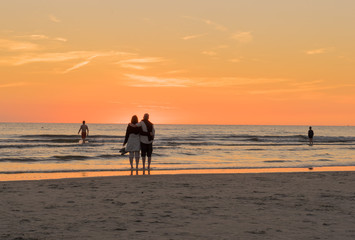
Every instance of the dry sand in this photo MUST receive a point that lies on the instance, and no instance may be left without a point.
(315, 205)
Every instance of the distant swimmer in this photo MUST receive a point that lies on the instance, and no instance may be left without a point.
(310, 136)
(84, 131)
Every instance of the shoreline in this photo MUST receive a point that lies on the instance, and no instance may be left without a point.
(9, 177)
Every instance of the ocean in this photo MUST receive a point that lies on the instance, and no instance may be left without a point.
(53, 148)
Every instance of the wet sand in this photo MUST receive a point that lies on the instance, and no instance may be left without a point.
(314, 205)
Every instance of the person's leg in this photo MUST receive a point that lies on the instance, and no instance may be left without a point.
(149, 161)
(137, 158)
(143, 153)
(149, 154)
(83, 136)
(143, 162)
(131, 155)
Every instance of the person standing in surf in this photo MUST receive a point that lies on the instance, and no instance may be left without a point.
(310, 136)
(84, 131)
(133, 141)
(146, 139)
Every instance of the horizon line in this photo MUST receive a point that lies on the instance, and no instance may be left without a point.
(206, 124)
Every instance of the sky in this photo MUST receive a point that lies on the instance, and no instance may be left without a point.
(249, 62)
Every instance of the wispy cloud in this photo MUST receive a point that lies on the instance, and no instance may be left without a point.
(61, 57)
(54, 18)
(235, 81)
(60, 39)
(209, 53)
(174, 72)
(37, 37)
(317, 51)
(79, 65)
(143, 60)
(152, 81)
(216, 26)
(243, 37)
(10, 45)
(132, 66)
(295, 87)
(189, 37)
(13, 85)
(133, 63)
(288, 90)
(235, 60)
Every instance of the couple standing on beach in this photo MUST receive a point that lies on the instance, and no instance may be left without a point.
(139, 137)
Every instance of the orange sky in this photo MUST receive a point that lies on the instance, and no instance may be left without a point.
(189, 62)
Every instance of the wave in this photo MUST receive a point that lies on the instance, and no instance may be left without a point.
(109, 156)
(286, 139)
(46, 159)
(189, 140)
(67, 136)
(71, 157)
(276, 161)
(25, 146)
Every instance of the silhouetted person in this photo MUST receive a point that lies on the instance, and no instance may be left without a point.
(84, 131)
(133, 141)
(310, 136)
(146, 138)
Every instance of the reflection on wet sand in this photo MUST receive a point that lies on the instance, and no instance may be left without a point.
(138, 172)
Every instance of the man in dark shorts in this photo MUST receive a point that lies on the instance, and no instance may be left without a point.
(310, 136)
(84, 131)
(146, 138)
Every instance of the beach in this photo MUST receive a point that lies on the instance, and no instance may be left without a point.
(306, 205)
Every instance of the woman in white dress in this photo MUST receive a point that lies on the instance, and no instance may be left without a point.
(133, 142)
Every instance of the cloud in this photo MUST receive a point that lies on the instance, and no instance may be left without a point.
(13, 85)
(316, 51)
(10, 45)
(152, 81)
(131, 63)
(209, 53)
(294, 87)
(175, 71)
(216, 26)
(132, 66)
(60, 39)
(79, 65)
(189, 37)
(37, 37)
(54, 18)
(243, 37)
(235, 81)
(62, 57)
(143, 60)
(287, 90)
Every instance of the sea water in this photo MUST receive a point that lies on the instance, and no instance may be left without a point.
(50, 147)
